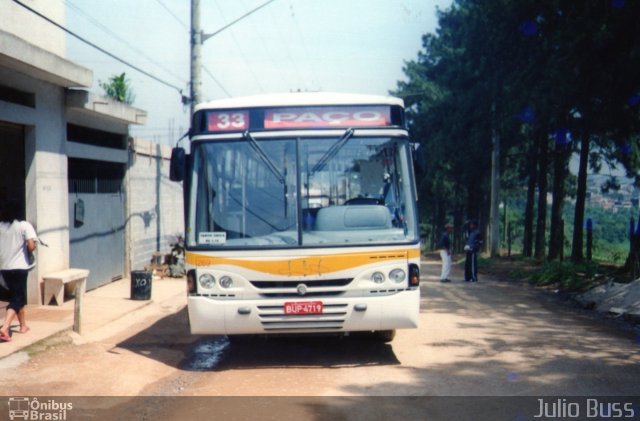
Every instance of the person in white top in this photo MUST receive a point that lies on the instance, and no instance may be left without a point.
(17, 242)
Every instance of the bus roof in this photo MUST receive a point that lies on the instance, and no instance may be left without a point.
(300, 99)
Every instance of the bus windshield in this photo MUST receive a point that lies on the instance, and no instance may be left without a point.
(301, 191)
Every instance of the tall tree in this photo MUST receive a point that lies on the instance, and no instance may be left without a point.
(571, 64)
(469, 61)
(562, 152)
(541, 219)
(532, 175)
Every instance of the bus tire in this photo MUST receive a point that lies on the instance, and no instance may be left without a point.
(240, 339)
(384, 336)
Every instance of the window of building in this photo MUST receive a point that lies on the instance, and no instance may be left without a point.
(89, 176)
(95, 137)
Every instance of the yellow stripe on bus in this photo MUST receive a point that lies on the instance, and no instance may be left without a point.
(307, 265)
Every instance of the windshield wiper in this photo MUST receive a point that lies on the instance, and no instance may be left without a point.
(335, 148)
(265, 158)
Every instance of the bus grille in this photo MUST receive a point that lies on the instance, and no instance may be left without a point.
(273, 318)
(315, 288)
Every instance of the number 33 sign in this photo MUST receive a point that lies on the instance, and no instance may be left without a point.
(224, 121)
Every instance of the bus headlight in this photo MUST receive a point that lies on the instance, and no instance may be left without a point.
(207, 280)
(226, 282)
(377, 277)
(397, 275)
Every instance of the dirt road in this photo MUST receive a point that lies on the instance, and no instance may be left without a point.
(493, 338)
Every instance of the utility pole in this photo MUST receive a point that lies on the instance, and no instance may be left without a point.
(196, 55)
(198, 37)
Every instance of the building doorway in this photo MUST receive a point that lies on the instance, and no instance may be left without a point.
(12, 164)
(96, 219)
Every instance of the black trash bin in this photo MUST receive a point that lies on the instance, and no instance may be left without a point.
(140, 285)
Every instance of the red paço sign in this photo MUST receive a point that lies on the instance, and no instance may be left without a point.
(319, 117)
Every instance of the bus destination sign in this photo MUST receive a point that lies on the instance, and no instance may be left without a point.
(309, 117)
(319, 117)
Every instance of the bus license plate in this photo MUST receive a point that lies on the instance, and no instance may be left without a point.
(308, 307)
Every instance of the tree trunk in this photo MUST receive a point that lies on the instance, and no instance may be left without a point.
(541, 222)
(432, 235)
(441, 220)
(474, 200)
(494, 212)
(527, 241)
(458, 222)
(559, 174)
(577, 254)
(630, 263)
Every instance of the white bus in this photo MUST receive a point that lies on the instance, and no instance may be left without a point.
(300, 216)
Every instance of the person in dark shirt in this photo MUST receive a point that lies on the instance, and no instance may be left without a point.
(472, 248)
(444, 245)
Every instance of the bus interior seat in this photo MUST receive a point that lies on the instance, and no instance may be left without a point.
(354, 217)
(364, 201)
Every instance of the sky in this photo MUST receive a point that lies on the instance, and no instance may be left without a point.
(357, 46)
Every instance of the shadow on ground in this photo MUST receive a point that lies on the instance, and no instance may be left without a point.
(500, 339)
(218, 353)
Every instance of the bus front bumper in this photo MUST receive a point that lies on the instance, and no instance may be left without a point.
(212, 316)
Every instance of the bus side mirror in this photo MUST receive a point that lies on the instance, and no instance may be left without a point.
(178, 164)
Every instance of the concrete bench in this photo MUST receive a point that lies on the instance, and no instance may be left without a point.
(54, 283)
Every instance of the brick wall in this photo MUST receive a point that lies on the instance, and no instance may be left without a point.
(155, 205)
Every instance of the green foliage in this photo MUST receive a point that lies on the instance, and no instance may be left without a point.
(119, 88)
(610, 232)
(566, 276)
(611, 253)
(522, 69)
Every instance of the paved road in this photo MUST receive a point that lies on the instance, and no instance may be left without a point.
(492, 338)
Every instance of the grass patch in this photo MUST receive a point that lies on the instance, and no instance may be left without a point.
(567, 276)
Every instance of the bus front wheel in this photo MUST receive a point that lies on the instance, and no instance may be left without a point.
(384, 336)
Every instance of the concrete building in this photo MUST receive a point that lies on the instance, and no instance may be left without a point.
(155, 216)
(66, 154)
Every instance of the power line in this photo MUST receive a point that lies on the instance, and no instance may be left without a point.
(104, 28)
(198, 37)
(314, 76)
(207, 36)
(216, 81)
(296, 70)
(102, 50)
(184, 25)
(244, 57)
